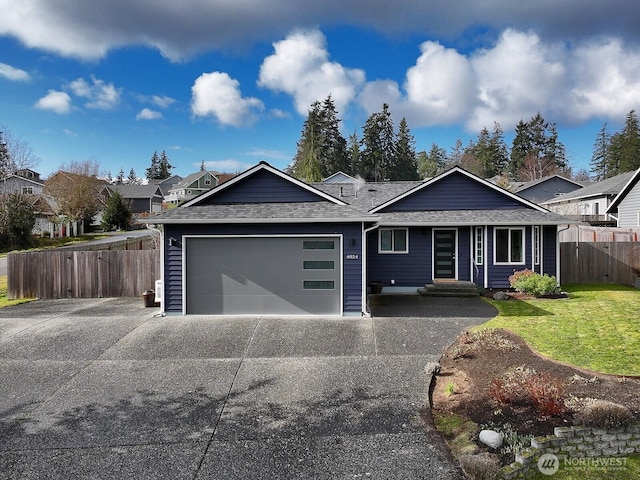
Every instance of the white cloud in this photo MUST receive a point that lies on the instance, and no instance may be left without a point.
(217, 94)
(58, 102)
(148, 114)
(99, 94)
(69, 133)
(300, 67)
(226, 166)
(13, 73)
(272, 154)
(162, 101)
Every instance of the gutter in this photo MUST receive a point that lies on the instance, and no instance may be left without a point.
(365, 231)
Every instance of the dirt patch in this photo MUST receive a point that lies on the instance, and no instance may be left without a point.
(470, 364)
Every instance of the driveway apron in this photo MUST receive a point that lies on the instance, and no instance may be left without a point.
(106, 388)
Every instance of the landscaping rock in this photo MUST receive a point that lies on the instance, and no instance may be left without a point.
(491, 438)
(501, 296)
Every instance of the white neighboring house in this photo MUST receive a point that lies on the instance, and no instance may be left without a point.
(591, 203)
(23, 181)
(191, 186)
(626, 206)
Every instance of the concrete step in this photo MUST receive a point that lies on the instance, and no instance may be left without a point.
(450, 289)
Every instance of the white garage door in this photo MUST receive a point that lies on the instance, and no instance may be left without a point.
(263, 275)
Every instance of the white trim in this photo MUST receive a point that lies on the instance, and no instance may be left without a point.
(393, 251)
(433, 252)
(456, 169)
(524, 245)
(486, 257)
(262, 166)
(536, 246)
(243, 220)
(365, 231)
(340, 237)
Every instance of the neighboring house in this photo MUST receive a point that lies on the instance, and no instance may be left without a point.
(267, 243)
(589, 204)
(44, 210)
(340, 177)
(142, 199)
(166, 184)
(546, 188)
(625, 207)
(24, 181)
(191, 186)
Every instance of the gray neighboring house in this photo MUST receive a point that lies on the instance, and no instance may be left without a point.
(166, 184)
(191, 186)
(626, 206)
(23, 181)
(142, 199)
(546, 188)
(591, 203)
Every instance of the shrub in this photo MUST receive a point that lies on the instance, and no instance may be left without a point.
(604, 414)
(484, 466)
(525, 386)
(533, 283)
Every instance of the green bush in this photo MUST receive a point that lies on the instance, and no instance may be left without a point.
(533, 283)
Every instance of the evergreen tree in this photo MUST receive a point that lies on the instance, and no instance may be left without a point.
(202, 166)
(132, 179)
(457, 152)
(108, 178)
(164, 167)
(332, 149)
(405, 167)
(536, 150)
(600, 160)
(117, 214)
(16, 221)
(379, 146)
(6, 164)
(306, 163)
(153, 172)
(432, 163)
(353, 152)
(628, 148)
(120, 177)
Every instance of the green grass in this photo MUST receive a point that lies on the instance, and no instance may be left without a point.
(3, 295)
(457, 431)
(39, 243)
(597, 328)
(630, 471)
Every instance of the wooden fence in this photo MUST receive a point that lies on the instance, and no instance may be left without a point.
(599, 262)
(82, 274)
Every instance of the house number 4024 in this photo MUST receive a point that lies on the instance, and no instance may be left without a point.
(353, 256)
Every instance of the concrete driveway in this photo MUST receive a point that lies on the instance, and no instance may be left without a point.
(102, 388)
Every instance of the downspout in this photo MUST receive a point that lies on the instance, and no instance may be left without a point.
(558, 251)
(160, 235)
(365, 305)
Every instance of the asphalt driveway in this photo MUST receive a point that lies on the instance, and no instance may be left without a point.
(103, 388)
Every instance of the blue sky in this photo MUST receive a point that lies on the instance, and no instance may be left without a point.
(230, 82)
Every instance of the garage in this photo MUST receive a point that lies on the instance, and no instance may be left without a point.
(258, 275)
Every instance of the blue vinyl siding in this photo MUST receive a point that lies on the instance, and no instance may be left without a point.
(455, 192)
(549, 251)
(352, 268)
(407, 269)
(262, 187)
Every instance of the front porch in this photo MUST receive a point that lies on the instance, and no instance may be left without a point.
(450, 288)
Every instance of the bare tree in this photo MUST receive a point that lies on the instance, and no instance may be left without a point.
(75, 188)
(16, 153)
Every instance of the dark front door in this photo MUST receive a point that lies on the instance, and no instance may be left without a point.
(444, 254)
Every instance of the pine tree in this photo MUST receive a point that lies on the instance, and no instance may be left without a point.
(600, 157)
(120, 177)
(153, 172)
(432, 163)
(405, 167)
(629, 150)
(332, 149)
(306, 163)
(164, 167)
(108, 178)
(353, 152)
(132, 179)
(379, 146)
(117, 214)
(202, 166)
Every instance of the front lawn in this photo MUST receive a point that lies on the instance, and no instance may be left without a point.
(3, 295)
(597, 327)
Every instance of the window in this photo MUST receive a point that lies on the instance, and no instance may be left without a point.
(318, 265)
(393, 240)
(318, 245)
(509, 245)
(27, 190)
(536, 245)
(639, 218)
(318, 285)
(479, 239)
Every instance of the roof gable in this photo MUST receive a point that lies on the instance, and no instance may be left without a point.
(262, 184)
(633, 181)
(455, 189)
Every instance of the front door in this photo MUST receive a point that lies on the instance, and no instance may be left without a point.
(444, 254)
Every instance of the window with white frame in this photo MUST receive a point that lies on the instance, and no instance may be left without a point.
(639, 218)
(536, 245)
(509, 245)
(27, 190)
(479, 246)
(393, 240)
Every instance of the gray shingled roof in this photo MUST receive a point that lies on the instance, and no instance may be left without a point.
(261, 213)
(137, 191)
(365, 196)
(473, 217)
(610, 186)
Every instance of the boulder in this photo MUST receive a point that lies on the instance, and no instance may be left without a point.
(501, 296)
(491, 438)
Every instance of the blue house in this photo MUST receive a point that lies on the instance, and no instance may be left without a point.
(267, 243)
